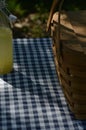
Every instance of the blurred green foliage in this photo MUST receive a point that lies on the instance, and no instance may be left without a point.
(16, 7)
(21, 7)
(34, 14)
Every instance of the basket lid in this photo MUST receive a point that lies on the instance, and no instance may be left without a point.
(73, 29)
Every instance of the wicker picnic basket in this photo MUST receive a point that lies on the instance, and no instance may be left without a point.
(68, 31)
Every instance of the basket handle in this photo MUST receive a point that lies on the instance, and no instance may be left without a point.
(51, 14)
(59, 14)
(55, 2)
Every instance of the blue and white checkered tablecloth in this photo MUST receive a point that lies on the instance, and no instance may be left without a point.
(30, 96)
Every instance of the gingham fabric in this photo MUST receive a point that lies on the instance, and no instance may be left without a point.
(30, 96)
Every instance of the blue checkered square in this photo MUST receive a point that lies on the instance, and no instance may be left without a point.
(30, 96)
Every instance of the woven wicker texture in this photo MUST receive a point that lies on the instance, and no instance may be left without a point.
(68, 31)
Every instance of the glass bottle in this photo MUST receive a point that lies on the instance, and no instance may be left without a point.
(6, 47)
